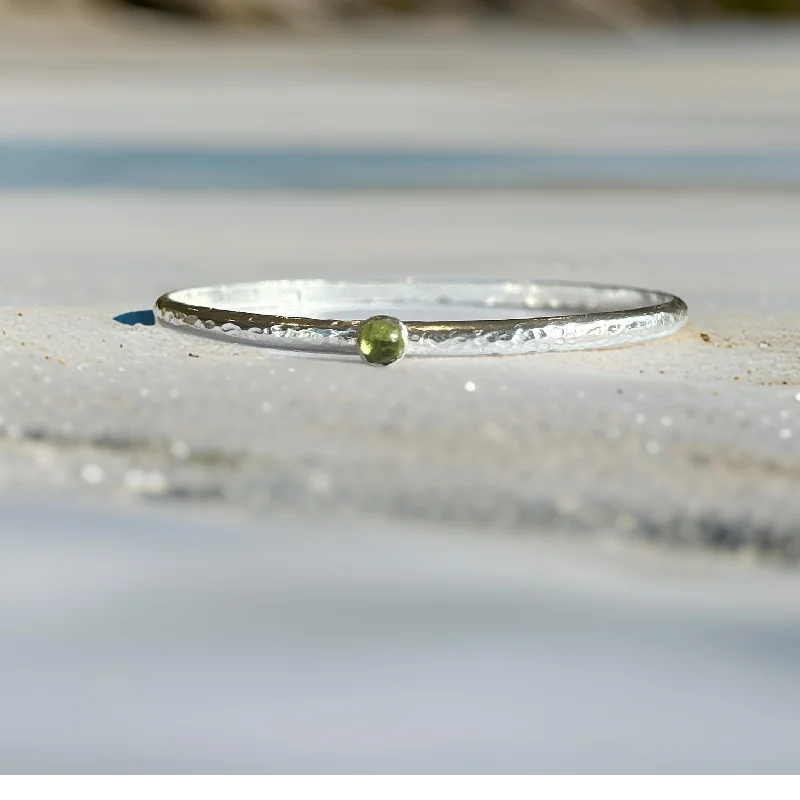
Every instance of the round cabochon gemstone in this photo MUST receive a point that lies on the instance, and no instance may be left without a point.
(382, 340)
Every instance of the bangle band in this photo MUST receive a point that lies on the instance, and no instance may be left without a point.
(300, 315)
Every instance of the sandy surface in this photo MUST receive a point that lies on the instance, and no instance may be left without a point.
(314, 548)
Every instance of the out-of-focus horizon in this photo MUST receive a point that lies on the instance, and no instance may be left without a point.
(319, 14)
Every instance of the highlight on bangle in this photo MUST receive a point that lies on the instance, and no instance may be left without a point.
(503, 317)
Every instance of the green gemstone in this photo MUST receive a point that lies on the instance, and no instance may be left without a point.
(382, 340)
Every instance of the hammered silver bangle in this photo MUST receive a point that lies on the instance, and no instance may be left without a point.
(543, 316)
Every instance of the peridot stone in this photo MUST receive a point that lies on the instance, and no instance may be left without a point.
(382, 340)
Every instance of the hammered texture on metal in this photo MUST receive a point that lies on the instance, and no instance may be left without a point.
(594, 316)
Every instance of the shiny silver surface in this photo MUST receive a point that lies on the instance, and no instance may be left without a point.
(302, 314)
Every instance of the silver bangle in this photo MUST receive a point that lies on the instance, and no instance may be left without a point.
(299, 315)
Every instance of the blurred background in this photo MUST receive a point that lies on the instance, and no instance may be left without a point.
(216, 558)
(312, 14)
